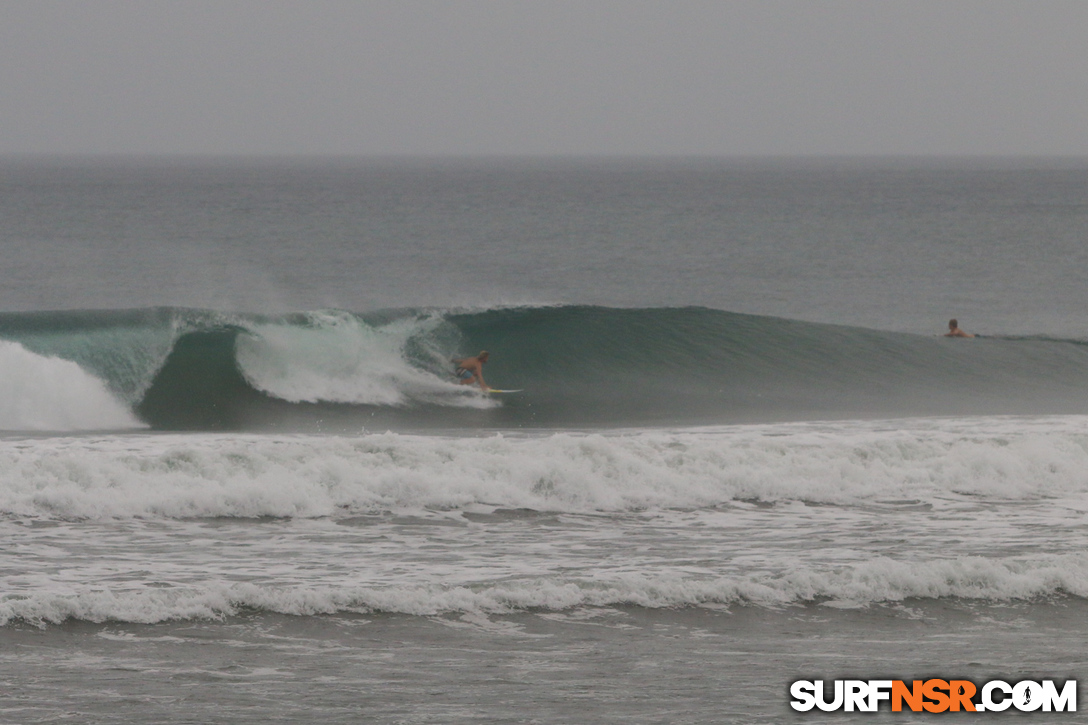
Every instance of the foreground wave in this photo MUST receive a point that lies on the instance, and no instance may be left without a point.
(182, 369)
(153, 527)
(931, 463)
(877, 581)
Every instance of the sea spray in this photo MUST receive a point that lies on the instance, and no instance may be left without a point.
(337, 357)
(50, 394)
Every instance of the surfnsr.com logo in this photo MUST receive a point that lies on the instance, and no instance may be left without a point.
(934, 696)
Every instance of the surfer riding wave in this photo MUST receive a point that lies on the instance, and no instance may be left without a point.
(471, 370)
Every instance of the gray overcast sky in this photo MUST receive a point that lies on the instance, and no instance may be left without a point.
(544, 77)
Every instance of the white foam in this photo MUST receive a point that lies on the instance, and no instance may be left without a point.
(931, 462)
(340, 359)
(876, 581)
(39, 393)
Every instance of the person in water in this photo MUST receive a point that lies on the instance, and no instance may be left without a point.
(471, 370)
(954, 330)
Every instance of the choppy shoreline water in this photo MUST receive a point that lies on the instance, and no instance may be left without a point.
(624, 664)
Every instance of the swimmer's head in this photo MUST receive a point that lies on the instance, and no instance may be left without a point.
(483, 355)
(953, 324)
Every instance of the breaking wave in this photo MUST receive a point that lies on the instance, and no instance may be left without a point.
(182, 369)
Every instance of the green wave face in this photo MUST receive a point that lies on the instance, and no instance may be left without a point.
(579, 366)
(587, 365)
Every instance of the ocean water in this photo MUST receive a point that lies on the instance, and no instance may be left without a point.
(238, 482)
